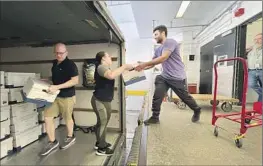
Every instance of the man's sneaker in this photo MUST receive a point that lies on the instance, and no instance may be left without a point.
(68, 142)
(196, 116)
(96, 146)
(104, 152)
(50, 146)
(151, 120)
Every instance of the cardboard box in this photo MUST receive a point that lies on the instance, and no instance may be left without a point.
(131, 77)
(21, 124)
(5, 128)
(35, 91)
(5, 112)
(27, 137)
(2, 79)
(4, 97)
(15, 95)
(6, 146)
(13, 79)
(23, 109)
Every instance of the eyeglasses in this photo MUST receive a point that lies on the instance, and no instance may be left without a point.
(59, 53)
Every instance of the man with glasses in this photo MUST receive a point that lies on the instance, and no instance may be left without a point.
(254, 59)
(64, 78)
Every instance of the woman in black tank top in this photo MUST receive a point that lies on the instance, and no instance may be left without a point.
(102, 97)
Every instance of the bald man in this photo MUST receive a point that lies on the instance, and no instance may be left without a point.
(254, 60)
(64, 78)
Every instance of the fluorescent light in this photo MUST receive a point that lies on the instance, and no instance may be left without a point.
(182, 8)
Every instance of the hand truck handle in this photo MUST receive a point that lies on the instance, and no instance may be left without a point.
(245, 84)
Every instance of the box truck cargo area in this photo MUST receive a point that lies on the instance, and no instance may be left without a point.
(29, 31)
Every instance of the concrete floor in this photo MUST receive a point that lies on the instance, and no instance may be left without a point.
(83, 148)
(178, 141)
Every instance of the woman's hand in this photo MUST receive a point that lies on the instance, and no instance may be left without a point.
(128, 66)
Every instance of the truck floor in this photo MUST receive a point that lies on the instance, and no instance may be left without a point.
(81, 153)
(178, 141)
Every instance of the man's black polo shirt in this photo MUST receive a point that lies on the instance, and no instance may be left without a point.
(62, 73)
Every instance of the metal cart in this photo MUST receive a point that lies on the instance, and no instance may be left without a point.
(245, 116)
(226, 105)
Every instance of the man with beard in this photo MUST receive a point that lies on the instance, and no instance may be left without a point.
(173, 75)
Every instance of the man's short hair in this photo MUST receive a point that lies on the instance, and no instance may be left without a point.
(161, 28)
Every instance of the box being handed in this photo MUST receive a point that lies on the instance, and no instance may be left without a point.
(35, 91)
(131, 77)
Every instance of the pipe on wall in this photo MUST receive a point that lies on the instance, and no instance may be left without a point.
(215, 19)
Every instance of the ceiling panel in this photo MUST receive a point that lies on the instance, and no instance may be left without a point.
(164, 12)
(27, 22)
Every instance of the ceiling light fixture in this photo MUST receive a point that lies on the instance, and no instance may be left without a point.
(182, 9)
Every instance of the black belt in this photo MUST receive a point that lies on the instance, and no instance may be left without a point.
(253, 69)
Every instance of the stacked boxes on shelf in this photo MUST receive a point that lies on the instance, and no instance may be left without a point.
(25, 128)
(19, 120)
(6, 141)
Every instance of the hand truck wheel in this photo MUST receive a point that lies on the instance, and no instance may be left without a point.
(247, 120)
(238, 142)
(226, 106)
(181, 105)
(216, 131)
(212, 102)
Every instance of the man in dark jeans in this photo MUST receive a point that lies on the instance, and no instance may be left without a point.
(173, 75)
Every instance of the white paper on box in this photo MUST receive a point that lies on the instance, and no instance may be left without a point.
(15, 95)
(13, 79)
(131, 77)
(4, 97)
(5, 112)
(36, 90)
(6, 146)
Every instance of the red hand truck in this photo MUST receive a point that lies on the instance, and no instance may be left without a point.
(245, 116)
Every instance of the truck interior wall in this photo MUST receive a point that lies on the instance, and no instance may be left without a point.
(84, 51)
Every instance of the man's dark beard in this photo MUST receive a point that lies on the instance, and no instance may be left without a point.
(159, 41)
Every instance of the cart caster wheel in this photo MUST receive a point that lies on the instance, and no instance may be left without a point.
(181, 105)
(216, 131)
(239, 143)
(226, 106)
(247, 121)
(212, 102)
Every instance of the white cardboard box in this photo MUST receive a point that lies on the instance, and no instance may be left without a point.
(6, 146)
(15, 95)
(5, 112)
(4, 97)
(27, 137)
(35, 90)
(23, 109)
(131, 77)
(5, 128)
(19, 125)
(2, 79)
(13, 79)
